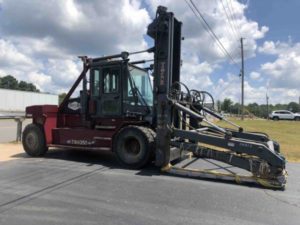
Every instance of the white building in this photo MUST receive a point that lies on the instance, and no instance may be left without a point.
(15, 101)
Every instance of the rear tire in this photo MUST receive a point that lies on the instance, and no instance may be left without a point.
(134, 146)
(33, 140)
(297, 118)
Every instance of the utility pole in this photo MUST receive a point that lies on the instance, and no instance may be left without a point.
(267, 98)
(242, 75)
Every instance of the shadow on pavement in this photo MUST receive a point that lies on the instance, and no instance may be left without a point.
(89, 157)
(107, 159)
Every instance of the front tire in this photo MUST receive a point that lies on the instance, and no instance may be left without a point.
(297, 118)
(275, 118)
(33, 140)
(134, 146)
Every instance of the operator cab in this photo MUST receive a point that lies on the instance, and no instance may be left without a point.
(119, 89)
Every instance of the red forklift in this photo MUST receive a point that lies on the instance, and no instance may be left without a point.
(119, 110)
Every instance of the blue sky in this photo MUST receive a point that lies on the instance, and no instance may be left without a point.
(281, 17)
(40, 41)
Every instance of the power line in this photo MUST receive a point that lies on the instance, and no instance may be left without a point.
(235, 35)
(209, 30)
(229, 21)
(228, 85)
(204, 25)
(231, 11)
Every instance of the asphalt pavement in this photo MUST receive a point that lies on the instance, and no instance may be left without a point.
(78, 187)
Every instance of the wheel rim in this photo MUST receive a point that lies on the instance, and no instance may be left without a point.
(31, 140)
(132, 146)
(132, 151)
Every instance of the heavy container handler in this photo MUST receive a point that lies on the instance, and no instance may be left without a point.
(118, 110)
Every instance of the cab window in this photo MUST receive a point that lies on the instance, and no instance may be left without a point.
(110, 80)
(96, 83)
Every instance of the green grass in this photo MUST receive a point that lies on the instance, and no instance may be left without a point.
(286, 133)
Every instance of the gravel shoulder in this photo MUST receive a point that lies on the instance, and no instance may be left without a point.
(10, 151)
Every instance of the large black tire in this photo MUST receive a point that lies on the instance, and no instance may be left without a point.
(297, 118)
(134, 146)
(33, 140)
(275, 118)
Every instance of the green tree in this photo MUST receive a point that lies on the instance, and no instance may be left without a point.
(263, 111)
(32, 87)
(226, 105)
(280, 107)
(8, 82)
(254, 108)
(235, 108)
(293, 106)
(22, 86)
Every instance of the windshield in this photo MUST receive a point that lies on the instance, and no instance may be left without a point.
(141, 80)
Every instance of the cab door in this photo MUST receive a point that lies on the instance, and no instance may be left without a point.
(105, 91)
(111, 91)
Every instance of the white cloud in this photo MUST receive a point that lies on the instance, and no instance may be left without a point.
(10, 56)
(73, 14)
(231, 88)
(63, 72)
(254, 75)
(42, 47)
(196, 74)
(283, 95)
(47, 42)
(200, 53)
(198, 41)
(278, 47)
(268, 48)
(227, 88)
(39, 79)
(284, 71)
(281, 75)
(77, 27)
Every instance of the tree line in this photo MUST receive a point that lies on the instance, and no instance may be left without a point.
(259, 110)
(10, 82)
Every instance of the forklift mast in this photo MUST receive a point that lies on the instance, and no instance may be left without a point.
(166, 32)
